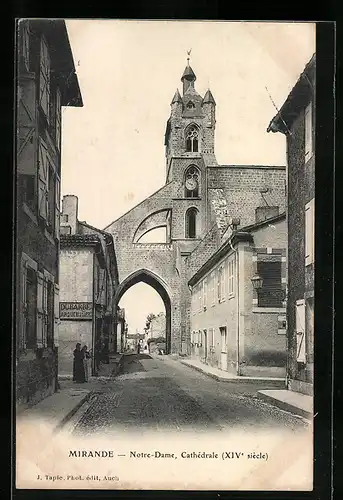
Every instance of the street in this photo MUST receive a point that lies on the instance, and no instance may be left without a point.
(160, 394)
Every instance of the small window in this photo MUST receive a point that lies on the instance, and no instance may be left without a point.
(308, 132)
(192, 139)
(190, 105)
(191, 223)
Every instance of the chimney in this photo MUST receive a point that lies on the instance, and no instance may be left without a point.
(70, 211)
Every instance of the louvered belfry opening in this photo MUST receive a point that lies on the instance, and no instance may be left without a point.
(271, 294)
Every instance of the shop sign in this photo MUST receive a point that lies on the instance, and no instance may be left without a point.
(76, 310)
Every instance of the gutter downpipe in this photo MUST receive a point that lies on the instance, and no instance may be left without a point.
(238, 312)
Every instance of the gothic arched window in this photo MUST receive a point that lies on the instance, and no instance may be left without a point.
(192, 139)
(190, 105)
(191, 222)
(192, 182)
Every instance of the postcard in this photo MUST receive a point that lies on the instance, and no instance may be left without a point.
(165, 255)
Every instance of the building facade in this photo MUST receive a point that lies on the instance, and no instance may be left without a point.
(121, 332)
(46, 81)
(88, 282)
(196, 205)
(296, 120)
(235, 327)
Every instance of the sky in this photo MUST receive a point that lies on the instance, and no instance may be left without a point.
(113, 147)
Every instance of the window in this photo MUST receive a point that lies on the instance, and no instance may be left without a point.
(231, 277)
(190, 105)
(50, 313)
(30, 308)
(309, 232)
(43, 190)
(58, 118)
(192, 139)
(212, 288)
(51, 198)
(191, 182)
(271, 293)
(200, 298)
(44, 78)
(191, 216)
(26, 45)
(205, 293)
(221, 283)
(211, 337)
(308, 132)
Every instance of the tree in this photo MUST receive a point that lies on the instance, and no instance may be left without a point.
(149, 318)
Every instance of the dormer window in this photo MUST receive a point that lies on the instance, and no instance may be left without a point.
(190, 105)
(192, 139)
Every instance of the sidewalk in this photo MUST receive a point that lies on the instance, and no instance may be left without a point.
(223, 376)
(292, 401)
(57, 409)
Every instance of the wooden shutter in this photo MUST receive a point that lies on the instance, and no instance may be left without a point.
(43, 180)
(23, 303)
(40, 311)
(58, 112)
(308, 132)
(271, 293)
(57, 207)
(309, 232)
(27, 142)
(45, 311)
(56, 314)
(300, 331)
(205, 293)
(44, 78)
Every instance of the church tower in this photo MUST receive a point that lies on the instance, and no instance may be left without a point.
(189, 143)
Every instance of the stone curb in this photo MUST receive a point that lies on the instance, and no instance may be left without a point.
(283, 405)
(72, 412)
(237, 380)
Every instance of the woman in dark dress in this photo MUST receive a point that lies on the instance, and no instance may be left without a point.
(78, 366)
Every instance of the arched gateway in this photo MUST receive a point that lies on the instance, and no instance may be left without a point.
(150, 278)
(163, 265)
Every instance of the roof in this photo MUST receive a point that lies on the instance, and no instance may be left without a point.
(223, 250)
(297, 98)
(177, 97)
(208, 97)
(258, 225)
(55, 32)
(188, 74)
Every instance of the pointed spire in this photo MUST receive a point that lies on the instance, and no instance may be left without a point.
(208, 98)
(177, 97)
(188, 74)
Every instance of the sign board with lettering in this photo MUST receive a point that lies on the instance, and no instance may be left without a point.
(76, 310)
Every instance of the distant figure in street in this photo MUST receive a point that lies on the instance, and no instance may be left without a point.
(138, 348)
(78, 366)
(86, 357)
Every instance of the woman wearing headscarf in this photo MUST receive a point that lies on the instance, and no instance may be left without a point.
(78, 366)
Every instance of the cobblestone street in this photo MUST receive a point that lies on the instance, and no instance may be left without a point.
(161, 394)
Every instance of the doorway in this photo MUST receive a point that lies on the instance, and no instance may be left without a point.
(223, 355)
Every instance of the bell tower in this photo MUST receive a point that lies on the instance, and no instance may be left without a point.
(189, 143)
(191, 125)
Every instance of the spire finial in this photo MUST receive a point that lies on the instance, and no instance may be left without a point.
(188, 53)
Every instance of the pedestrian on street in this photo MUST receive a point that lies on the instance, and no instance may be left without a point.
(138, 348)
(86, 361)
(78, 366)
